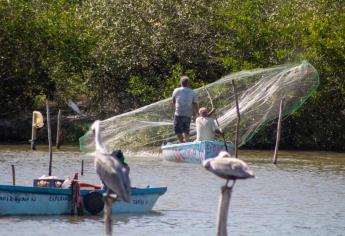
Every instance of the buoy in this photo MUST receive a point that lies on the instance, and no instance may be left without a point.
(93, 202)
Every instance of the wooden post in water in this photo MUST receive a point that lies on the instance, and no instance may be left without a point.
(82, 167)
(238, 117)
(212, 106)
(13, 175)
(58, 130)
(33, 131)
(225, 196)
(73, 202)
(108, 202)
(49, 139)
(75, 195)
(281, 107)
(223, 210)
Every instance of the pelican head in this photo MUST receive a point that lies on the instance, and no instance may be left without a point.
(224, 154)
(227, 167)
(207, 164)
(95, 127)
(96, 130)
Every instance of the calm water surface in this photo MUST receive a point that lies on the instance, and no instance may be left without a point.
(303, 195)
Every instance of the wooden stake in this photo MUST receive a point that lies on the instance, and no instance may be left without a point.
(13, 175)
(281, 107)
(58, 130)
(212, 106)
(238, 117)
(224, 201)
(82, 167)
(108, 202)
(75, 194)
(107, 212)
(49, 139)
(33, 132)
(223, 210)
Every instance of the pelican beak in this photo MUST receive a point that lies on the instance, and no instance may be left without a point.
(206, 164)
(251, 174)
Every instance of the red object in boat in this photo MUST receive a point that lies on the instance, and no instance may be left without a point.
(86, 185)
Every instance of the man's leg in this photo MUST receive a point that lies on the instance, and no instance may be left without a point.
(186, 137)
(178, 127)
(180, 138)
(186, 128)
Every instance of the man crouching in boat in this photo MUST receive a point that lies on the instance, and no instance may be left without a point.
(206, 127)
(186, 107)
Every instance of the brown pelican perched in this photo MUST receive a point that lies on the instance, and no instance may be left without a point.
(109, 169)
(113, 175)
(227, 167)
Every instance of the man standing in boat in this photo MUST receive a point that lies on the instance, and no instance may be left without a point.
(186, 108)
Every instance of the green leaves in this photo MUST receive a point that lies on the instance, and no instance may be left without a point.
(143, 41)
(45, 50)
(265, 33)
(118, 55)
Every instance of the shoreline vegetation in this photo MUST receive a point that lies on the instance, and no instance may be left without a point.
(18, 132)
(117, 56)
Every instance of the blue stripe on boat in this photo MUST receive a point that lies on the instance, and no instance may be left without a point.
(61, 191)
(27, 200)
(193, 152)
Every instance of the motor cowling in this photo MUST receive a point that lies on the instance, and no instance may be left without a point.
(93, 202)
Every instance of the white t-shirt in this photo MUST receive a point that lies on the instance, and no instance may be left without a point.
(184, 98)
(205, 127)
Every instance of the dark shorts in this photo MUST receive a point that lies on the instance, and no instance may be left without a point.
(181, 124)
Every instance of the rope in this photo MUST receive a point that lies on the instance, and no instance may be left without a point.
(212, 107)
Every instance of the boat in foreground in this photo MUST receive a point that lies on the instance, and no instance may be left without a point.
(193, 152)
(27, 200)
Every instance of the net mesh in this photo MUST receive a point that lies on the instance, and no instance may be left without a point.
(259, 91)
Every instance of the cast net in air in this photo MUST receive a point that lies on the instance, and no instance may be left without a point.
(259, 91)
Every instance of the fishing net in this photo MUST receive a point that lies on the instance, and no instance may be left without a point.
(259, 91)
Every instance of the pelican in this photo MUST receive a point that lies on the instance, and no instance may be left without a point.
(227, 167)
(109, 169)
(112, 174)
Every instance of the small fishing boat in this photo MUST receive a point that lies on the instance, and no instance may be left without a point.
(193, 152)
(27, 200)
